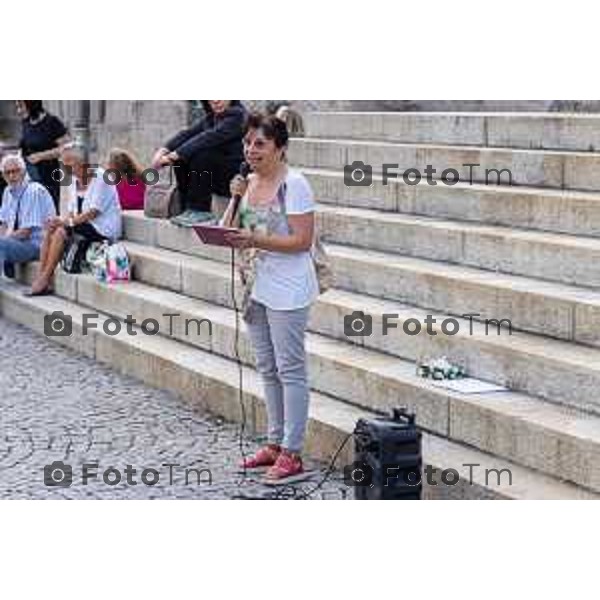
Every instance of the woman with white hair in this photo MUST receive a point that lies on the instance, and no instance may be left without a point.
(94, 212)
(26, 207)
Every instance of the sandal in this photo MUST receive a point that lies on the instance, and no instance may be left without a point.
(264, 457)
(288, 468)
(44, 292)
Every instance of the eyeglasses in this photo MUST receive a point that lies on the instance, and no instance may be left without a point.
(12, 171)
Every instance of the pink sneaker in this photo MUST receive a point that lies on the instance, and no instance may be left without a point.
(264, 457)
(287, 469)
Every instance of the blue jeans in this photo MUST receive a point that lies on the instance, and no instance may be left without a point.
(34, 172)
(13, 250)
(278, 340)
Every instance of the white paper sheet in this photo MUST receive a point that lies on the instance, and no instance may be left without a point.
(468, 385)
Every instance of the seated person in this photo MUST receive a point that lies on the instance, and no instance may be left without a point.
(93, 209)
(131, 188)
(205, 158)
(26, 206)
(3, 153)
(291, 117)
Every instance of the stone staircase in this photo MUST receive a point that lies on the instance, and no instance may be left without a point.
(526, 252)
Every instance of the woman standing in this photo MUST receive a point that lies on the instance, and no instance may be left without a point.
(277, 230)
(41, 138)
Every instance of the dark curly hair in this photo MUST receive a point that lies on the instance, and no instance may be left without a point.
(34, 108)
(272, 128)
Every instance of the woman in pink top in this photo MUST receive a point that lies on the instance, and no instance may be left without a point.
(131, 188)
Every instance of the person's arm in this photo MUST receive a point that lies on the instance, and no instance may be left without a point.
(160, 158)
(59, 135)
(84, 217)
(237, 187)
(226, 218)
(98, 191)
(185, 134)
(71, 207)
(23, 233)
(37, 209)
(52, 154)
(300, 238)
(102, 199)
(228, 128)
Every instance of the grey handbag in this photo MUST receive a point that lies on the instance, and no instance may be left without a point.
(162, 202)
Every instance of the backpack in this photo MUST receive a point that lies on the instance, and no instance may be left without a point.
(110, 263)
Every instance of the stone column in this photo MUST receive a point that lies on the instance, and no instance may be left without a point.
(80, 126)
(9, 122)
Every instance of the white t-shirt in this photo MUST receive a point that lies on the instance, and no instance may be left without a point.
(105, 199)
(284, 280)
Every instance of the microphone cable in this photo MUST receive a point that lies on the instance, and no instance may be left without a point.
(240, 366)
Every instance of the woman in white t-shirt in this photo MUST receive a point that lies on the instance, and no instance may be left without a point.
(277, 221)
(93, 212)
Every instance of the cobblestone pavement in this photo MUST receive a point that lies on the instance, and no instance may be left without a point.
(56, 405)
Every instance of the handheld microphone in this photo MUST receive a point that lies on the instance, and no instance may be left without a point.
(237, 199)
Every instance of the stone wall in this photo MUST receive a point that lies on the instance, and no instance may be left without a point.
(143, 125)
(138, 125)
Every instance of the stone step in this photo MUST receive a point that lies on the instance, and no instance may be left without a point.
(560, 211)
(513, 426)
(539, 168)
(547, 131)
(562, 372)
(541, 255)
(542, 307)
(210, 383)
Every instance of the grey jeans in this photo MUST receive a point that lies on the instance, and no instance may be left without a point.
(278, 340)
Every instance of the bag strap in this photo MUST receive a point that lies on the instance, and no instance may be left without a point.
(19, 198)
(281, 195)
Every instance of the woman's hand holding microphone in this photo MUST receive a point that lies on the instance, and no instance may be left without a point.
(238, 186)
(242, 238)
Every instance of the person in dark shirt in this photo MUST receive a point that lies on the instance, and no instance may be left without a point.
(3, 153)
(41, 138)
(205, 158)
